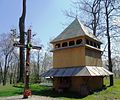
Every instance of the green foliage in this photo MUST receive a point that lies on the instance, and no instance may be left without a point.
(34, 78)
(19, 85)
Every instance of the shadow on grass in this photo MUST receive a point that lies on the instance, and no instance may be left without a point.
(47, 91)
(67, 94)
(55, 94)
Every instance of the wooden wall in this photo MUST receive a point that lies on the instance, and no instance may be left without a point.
(76, 83)
(69, 57)
(93, 83)
(93, 57)
(56, 83)
(76, 56)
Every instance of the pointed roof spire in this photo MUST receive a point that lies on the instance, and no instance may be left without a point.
(76, 13)
(75, 29)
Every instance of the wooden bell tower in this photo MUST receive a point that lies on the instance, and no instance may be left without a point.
(77, 63)
(76, 47)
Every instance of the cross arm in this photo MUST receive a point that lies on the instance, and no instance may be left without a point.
(19, 45)
(36, 47)
(26, 46)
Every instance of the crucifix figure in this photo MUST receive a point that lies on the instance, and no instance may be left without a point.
(28, 46)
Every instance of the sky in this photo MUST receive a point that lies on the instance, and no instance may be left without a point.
(45, 17)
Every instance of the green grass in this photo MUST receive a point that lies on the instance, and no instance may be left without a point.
(9, 90)
(110, 93)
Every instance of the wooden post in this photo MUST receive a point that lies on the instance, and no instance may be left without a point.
(27, 91)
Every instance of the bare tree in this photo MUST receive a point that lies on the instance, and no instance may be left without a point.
(12, 71)
(36, 61)
(47, 62)
(38, 66)
(116, 64)
(22, 40)
(6, 47)
(35, 67)
(110, 6)
(92, 9)
(1, 74)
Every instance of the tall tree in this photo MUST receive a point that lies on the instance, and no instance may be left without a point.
(110, 7)
(47, 62)
(91, 9)
(22, 41)
(116, 64)
(38, 66)
(1, 73)
(6, 47)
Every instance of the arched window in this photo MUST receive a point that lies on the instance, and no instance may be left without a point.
(57, 45)
(71, 43)
(79, 41)
(64, 44)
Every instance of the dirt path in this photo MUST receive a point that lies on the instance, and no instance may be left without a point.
(34, 97)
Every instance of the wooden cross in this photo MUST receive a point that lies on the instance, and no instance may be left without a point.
(29, 46)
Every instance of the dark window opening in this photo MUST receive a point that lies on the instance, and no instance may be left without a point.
(64, 44)
(57, 46)
(87, 41)
(79, 41)
(95, 45)
(98, 46)
(91, 43)
(71, 43)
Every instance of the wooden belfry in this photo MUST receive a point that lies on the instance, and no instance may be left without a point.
(28, 46)
(77, 63)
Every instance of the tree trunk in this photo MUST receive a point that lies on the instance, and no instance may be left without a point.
(109, 47)
(15, 74)
(22, 41)
(94, 25)
(4, 77)
(38, 66)
(18, 73)
(5, 71)
(1, 74)
(4, 82)
(11, 78)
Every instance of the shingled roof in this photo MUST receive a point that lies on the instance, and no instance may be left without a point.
(75, 29)
(77, 71)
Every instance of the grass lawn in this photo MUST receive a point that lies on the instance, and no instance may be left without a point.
(111, 93)
(9, 90)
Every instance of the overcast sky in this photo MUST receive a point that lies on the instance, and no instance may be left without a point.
(45, 16)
